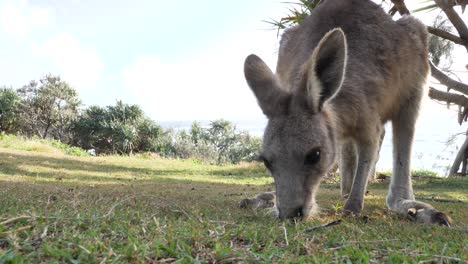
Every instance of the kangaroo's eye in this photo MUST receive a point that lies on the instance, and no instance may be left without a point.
(312, 157)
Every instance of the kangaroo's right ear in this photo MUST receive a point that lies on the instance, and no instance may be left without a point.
(271, 99)
(325, 70)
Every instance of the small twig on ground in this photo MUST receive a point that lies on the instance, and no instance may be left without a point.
(222, 222)
(168, 260)
(4, 234)
(84, 249)
(285, 234)
(441, 200)
(446, 257)
(372, 241)
(12, 220)
(44, 233)
(334, 222)
(461, 228)
(414, 254)
(364, 242)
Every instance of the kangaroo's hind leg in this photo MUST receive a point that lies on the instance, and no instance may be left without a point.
(400, 197)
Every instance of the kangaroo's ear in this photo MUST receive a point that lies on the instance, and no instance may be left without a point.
(325, 69)
(272, 100)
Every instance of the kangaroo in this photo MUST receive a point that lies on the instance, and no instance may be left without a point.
(344, 72)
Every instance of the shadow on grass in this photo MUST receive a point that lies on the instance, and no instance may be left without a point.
(70, 171)
(40, 166)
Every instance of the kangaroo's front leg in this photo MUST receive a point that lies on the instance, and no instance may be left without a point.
(261, 201)
(348, 165)
(367, 153)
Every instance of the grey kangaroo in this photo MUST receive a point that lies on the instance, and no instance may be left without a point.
(345, 71)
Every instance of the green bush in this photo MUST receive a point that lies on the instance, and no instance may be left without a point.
(9, 110)
(119, 129)
(424, 173)
(219, 143)
(67, 149)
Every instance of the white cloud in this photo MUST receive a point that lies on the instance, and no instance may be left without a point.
(208, 86)
(55, 52)
(79, 65)
(19, 18)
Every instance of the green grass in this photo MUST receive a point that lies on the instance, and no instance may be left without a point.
(39, 145)
(145, 209)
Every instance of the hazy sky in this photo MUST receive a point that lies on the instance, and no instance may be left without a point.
(178, 59)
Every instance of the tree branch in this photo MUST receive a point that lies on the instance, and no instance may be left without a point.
(393, 11)
(448, 97)
(457, 21)
(447, 81)
(401, 6)
(446, 35)
(441, 200)
(456, 2)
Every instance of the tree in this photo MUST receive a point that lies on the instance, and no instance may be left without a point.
(9, 103)
(219, 143)
(118, 129)
(88, 129)
(150, 135)
(223, 136)
(48, 108)
(441, 44)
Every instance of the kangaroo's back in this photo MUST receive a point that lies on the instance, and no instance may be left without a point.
(387, 60)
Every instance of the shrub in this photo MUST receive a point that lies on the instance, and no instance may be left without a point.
(219, 143)
(9, 115)
(119, 129)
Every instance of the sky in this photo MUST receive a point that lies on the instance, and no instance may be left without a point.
(177, 59)
(180, 60)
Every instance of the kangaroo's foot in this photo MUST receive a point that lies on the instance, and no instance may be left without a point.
(353, 207)
(419, 212)
(261, 201)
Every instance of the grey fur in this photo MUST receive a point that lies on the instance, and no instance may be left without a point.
(341, 74)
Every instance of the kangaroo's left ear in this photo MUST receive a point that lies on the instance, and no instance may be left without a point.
(325, 69)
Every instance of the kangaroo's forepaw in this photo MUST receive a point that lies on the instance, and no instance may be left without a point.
(429, 216)
(350, 214)
(261, 201)
(353, 207)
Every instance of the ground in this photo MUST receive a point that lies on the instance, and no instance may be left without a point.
(144, 209)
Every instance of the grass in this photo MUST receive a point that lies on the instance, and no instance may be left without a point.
(60, 208)
(39, 145)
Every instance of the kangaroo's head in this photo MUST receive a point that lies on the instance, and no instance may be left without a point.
(299, 140)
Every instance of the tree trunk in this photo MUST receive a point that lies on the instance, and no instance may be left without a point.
(459, 159)
(46, 130)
